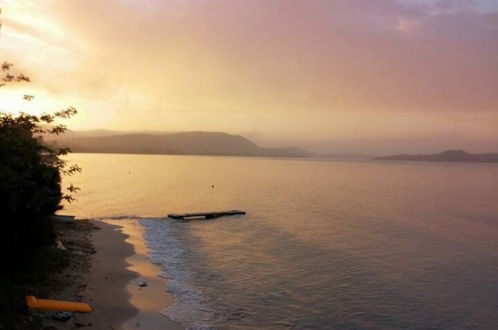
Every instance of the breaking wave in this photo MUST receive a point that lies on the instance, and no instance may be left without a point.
(166, 251)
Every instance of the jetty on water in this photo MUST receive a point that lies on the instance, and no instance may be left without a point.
(204, 215)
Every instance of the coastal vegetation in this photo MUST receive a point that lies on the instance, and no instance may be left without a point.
(30, 191)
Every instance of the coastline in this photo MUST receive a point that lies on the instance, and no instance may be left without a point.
(109, 279)
(119, 264)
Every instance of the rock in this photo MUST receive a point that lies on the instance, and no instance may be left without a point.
(59, 245)
(62, 316)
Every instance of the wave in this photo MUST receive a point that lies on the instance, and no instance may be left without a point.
(166, 251)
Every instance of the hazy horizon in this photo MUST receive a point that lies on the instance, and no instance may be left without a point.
(356, 76)
(318, 147)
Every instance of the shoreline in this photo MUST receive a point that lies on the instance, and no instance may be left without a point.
(119, 264)
(153, 298)
(108, 280)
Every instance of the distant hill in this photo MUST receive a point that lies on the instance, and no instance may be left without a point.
(345, 156)
(447, 156)
(188, 143)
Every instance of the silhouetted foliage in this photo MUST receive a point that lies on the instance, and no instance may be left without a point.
(30, 176)
(30, 190)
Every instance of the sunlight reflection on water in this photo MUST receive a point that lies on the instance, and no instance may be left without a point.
(324, 244)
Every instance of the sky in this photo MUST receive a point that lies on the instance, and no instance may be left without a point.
(338, 76)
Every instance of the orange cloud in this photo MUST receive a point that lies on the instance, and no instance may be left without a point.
(330, 69)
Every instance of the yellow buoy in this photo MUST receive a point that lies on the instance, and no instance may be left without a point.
(71, 306)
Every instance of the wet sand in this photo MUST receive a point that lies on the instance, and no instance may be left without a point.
(119, 264)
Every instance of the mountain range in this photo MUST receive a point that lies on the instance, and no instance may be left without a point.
(447, 156)
(185, 143)
(222, 144)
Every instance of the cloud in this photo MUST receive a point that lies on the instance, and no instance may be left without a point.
(319, 53)
(226, 58)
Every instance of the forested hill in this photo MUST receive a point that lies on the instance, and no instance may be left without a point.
(188, 143)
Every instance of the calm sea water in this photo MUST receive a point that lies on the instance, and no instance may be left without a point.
(325, 245)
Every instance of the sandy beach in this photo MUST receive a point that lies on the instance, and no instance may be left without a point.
(108, 280)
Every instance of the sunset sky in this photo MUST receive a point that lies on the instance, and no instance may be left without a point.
(368, 76)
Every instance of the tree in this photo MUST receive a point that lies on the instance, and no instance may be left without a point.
(30, 190)
(30, 175)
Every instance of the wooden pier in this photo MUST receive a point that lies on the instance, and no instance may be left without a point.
(204, 215)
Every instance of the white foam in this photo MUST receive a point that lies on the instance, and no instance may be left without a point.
(166, 250)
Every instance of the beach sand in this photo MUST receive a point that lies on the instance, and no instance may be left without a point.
(119, 264)
(108, 280)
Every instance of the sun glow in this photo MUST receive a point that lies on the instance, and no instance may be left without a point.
(30, 22)
(335, 71)
(14, 102)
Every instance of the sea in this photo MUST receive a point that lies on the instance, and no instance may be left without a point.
(324, 244)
